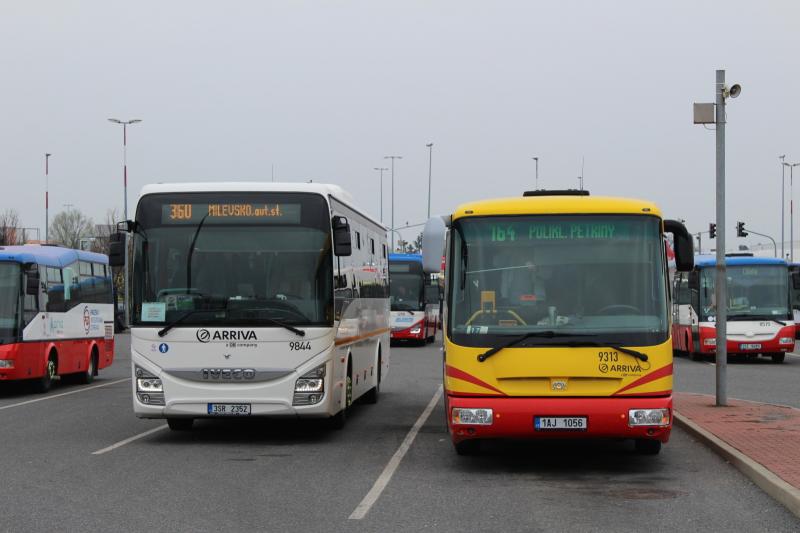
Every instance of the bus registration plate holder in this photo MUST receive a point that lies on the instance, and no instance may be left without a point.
(229, 409)
(560, 423)
(749, 346)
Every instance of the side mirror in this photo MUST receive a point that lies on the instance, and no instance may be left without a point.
(432, 294)
(33, 281)
(796, 280)
(433, 245)
(116, 249)
(341, 236)
(684, 245)
(126, 226)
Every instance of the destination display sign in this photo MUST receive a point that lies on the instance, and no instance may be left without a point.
(230, 213)
(563, 230)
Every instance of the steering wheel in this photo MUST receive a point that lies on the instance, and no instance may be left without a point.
(610, 309)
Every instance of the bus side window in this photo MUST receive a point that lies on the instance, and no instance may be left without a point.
(72, 290)
(55, 291)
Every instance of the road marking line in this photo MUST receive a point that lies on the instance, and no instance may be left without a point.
(129, 440)
(63, 394)
(386, 476)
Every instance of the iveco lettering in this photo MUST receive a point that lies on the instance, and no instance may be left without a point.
(273, 299)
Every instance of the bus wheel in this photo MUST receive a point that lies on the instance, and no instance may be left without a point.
(648, 446)
(88, 376)
(180, 424)
(778, 357)
(371, 396)
(468, 447)
(339, 420)
(44, 383)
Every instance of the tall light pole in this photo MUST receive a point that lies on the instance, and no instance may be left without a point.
(783, 204)
(537, 171)
(791, 209)
(381, 169)
(393, 157)
(125, 124)
(46, 196)
(430, 167)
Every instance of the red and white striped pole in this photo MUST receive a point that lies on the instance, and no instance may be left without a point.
(46, 195)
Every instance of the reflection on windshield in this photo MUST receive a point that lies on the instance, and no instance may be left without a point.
(602, 275)
(254, 272)
(9, 300)
(759, 291)
(406, 292)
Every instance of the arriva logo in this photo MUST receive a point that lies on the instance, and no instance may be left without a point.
(203, 335)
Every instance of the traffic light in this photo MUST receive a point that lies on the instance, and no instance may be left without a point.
(740, 232)
(712, 230)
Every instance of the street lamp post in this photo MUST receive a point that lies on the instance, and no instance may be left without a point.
(46, 196)
(430, 167)
(783, 204)
(125, 124)
(393, 157)
(381, 169)
(537, 172)
(791, 209)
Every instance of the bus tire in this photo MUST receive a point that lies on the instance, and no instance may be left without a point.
(468, 447)
(91, 369)
(778, 357)
(648, 446)
(44, 383)
(339, 420)
(371, 396)
(180, 424)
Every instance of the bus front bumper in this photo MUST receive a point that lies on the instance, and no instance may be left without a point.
(515, 417)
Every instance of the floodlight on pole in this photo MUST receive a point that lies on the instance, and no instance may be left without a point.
(125, 124)
(46, 195)
(791, 209)
(393, 157)
(381, 169)
(430, 167)
(783, 205)
(537, 172)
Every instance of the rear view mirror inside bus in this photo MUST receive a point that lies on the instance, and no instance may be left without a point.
(116, 249)
(33, 282)
(683, 245)
(341, 236)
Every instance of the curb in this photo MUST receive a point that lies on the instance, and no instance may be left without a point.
(768, 481)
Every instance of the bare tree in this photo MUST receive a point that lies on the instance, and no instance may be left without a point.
(101, 237)
(69, 227)
(9, 224)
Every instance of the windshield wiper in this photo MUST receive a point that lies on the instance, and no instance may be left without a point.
(549, 334)
(272, 320)
(755, 317)
(163, 331)
(191, 253)
(598, 344)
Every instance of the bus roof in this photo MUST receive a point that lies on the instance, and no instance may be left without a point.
(52, 256)
(324, 189)
(705, 261)
(557, 205)
(405, 257)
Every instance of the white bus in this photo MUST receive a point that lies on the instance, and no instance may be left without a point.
(255, 299)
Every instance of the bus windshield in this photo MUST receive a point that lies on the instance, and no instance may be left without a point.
(754, 292)
(234, 258)
(406, 286)
(10, 279)
(601, 276)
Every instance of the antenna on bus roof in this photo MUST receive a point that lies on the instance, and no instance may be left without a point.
(565, 192)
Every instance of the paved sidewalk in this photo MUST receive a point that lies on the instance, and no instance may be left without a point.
(762, 440)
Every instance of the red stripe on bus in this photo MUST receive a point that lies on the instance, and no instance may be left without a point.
(652, 376)
(460, 374)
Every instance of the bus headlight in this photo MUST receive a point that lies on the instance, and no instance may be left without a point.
(149, 388)
(648, 417)
(710, 342)
(6, 363)
(310, 387)
(474, 417)
(415, 330)
(786, 340)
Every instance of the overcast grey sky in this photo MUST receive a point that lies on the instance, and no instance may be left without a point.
(324, 90)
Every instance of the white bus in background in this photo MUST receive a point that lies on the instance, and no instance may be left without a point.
(255, 299)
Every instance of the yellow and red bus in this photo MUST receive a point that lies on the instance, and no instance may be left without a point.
(557, 318)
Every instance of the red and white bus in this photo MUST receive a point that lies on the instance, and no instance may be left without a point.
(760, 320)
(414, 299)
(56, 314)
